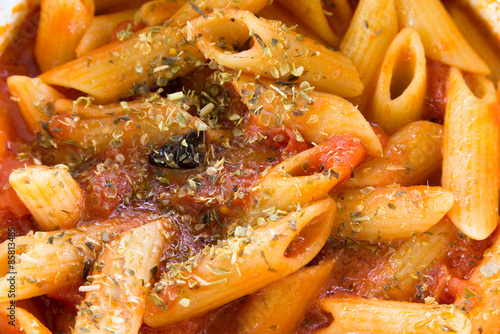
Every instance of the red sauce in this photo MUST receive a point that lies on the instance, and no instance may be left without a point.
(435, 102)
(105, 191)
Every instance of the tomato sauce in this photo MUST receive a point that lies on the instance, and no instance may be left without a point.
(435, 101)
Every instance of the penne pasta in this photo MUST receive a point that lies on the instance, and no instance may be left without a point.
(117, 290)
(480, 296)
(411, 260)
(53, 197)
(266, 254)
(277, 12)
(440, 36)
(150, 57)
(471, 153)
(411, 157)
(156, 12)
(317, 116)
(313, 16)
(140, 123)
(366, 41)
(196, 8)
(62, 25)
(390, 213)
(402, 83)
(281, 306)
(307, 176)
(488, 11)
(481, 43)
(356, 315)
(277, 52)
(29, 323)
(14, 319)
(47, 262)
(100, 30)
(35, 100)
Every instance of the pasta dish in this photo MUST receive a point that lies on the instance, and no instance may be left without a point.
(249, 166)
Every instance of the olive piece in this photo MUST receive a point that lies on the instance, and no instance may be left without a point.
(183, 152)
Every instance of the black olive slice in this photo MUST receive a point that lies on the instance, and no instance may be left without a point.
(183, 152)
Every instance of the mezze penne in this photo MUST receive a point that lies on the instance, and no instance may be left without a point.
(54, 198)
(50, 261)
(371, 31)
(390, 213)
(281, 306)
(356, 315)
(307, 176)
(317, 116)
(471, 153)
(267, 254)
(412, 260)
(476, 37)
(263, 45)
(117, 289)
(402, 83)
(35, 99)
(152, 56)
(100, 31)
(313, 15)
(411, 156)
(441, 38)
(62, 25)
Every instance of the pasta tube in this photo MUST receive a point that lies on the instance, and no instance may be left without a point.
(149, 57)
(307, 176)
(117, 290)
(35, 100)
(156, 12)
(277, 12)
(100, 30)
(488, 11)
(317, 116)
(402, 83)
(471, 153)
(390, 213)
(47, 262)
(481, 43)
(53, 197)
(410, 261)
(277, 52)
(412, 155)
(18, 320)
(356, 315)
(62, 25)
(371, 31)
(139, 123)
(312, 14)
(440, 36)
(220, 273)
(195, 8)
(281, 306)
